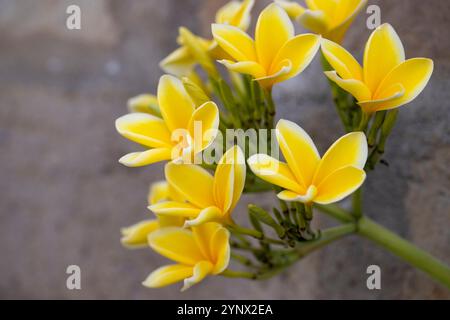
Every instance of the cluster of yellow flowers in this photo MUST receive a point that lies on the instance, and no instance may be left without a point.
(193, 207)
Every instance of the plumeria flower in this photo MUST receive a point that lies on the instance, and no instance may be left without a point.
(136, 236)
(386, 80)
(204, 250)
(307, 178)
(144, 103)
(194, 49)
(209, 198)
(182, 131)
(330, 18)
(275, 55)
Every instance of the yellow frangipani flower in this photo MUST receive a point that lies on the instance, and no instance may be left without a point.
(209, 198)
(275, 55)
(386, 80)
(194, 49)
(306, 177)
(144, 103)
(202, 251)
(330, 18)
(183, 130)
(136, 236)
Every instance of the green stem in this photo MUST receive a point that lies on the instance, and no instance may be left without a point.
(335, 212)
(357, 203)
(405, 250)
(327, 236)
(395, 244)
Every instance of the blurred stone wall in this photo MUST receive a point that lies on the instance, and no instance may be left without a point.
(64, 197)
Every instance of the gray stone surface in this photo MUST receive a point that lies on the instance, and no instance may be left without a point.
(64, 197)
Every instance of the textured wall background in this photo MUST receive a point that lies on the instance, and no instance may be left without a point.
(64, 197)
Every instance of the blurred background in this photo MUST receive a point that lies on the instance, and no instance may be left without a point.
(64, 196)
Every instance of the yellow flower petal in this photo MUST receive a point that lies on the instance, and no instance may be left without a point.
(229, 179)
(300, 51)
(384, 51)
(168, 275)
(175, 104)
(292, 8)
(193, 182)
(203, 125)
(349, 150)
(339, 184)
(144, 103)
(176, 244)
(170, 221)
(220, 250)
(136, 236)
(269, 80)
(201, 270)
(273, 30)
(309, 195)
(158, 191)
(246, 67)
(144, 129)
(314, 20)
(393, 93)
(179, 63)
(299, 151)
(236, 13)
(343, 18)
(174, 208)
(273, 171)
(139, 159)
(341, 60)
(234, 41)
(355, 87)
(203, 235)
(209, 214)
(413, 75)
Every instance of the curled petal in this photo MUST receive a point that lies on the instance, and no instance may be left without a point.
(246, 67)
(229, 179)
(201, 270)
(411, 75)
(210, 214)
(139, 159)
(339, 185)
(355, 87)
(300, 51)
(393, 93)
(349, 150)
(341, 60)
(220, 250)
(273, 171)
(308, 197)
(168, 275)
(174, 208)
